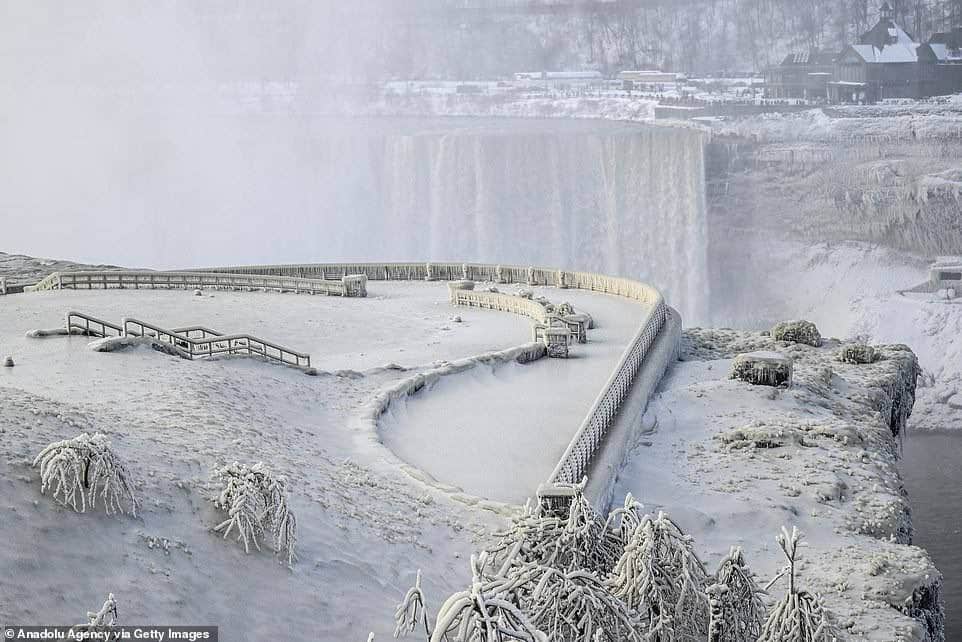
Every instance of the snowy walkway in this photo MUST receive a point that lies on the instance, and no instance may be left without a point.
(497, 433)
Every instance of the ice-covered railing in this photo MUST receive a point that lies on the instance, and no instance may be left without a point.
(577, 458)
(590, 436)
(213, 343)
(346, 285)
(501, 302)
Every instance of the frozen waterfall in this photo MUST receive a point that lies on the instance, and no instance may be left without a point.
(608, 197)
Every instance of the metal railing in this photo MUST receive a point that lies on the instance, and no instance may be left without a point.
(213, 343)
(500, 302)
(92, 326)
(590, 435)
(576, 460)
(349, 285)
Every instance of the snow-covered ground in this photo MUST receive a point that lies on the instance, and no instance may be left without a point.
(364, 527)
(733, 463)
(851, 290)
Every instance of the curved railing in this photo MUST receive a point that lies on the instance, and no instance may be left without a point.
(575, 462)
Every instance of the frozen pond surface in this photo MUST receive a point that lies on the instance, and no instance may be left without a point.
(932, 469)
(498, 432)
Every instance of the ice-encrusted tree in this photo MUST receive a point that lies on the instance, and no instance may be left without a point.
(660, 576)
(84, 468)
(799, 615)
(99, 622)
(527, 601)
(737, 610)
(255, 501)
(579, 539)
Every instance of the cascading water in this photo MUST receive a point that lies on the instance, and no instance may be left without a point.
(618, 198)
(612, 198)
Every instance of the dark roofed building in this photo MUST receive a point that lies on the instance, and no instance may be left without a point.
(884, 64)
(944, 52)
(801, 75)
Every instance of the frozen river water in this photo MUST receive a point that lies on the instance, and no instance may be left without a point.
(932, 469)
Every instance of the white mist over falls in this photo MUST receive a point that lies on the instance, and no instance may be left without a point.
(615, 198)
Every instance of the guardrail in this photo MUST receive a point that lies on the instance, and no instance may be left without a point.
(91, 326)
(214, 343)
(347, 285)
(590, 435)
(500, 302)
(577, 457)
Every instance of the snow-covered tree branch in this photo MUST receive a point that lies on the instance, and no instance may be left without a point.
(256, 503)
(799, 614)
(84, 468)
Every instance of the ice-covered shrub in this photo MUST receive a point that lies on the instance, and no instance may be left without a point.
(526, 602)
(256, 503)
(99, 622)
(797, 332)
(83, 468)
(489, 611)
(762, 369)
(578, 539)
(736, 607)
(857, 353)
(799, 615)
(660, 576)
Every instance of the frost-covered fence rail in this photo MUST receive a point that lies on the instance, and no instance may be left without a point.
(500, 302)
(590, 438)
(347, 285)
(92, 326)
(212, 343)
(577, 458)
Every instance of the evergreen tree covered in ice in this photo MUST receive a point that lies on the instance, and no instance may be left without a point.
(578, 540)
(661, 577)
(737, 610)
(256, 503)
(632, 578)
(799, 615)
(84, 468)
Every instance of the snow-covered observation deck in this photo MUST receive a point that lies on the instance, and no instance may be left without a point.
(361, 519)
(581, 458)
(598, 447)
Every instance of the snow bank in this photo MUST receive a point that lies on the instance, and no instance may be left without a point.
(733, 463)
(116, 344)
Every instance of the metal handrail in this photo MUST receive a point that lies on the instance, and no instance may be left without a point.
(87, 319)
(218, 344)
(137, 279)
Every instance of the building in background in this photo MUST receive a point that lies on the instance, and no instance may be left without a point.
(884, 64)
(802, 76)
(944, 52)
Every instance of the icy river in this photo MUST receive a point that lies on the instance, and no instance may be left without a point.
(933, 476)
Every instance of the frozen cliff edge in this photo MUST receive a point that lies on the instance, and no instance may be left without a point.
(734, 462)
